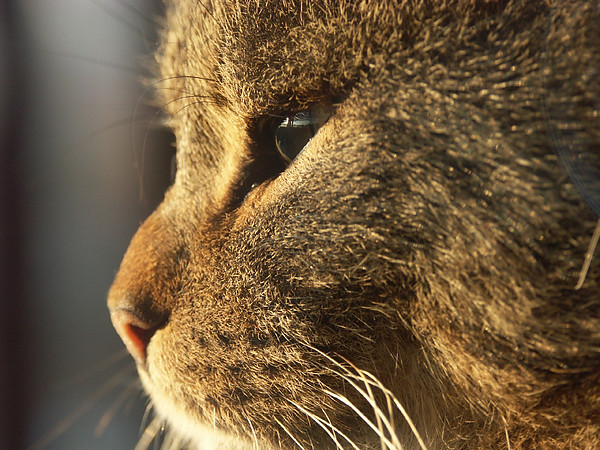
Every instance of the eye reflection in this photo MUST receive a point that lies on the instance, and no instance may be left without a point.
(296, 131)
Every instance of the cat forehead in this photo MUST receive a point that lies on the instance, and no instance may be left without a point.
(254, 55)
(262, 53)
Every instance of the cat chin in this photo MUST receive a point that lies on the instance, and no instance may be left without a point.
(199, 436)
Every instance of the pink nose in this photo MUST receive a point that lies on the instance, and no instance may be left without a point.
(134, 331)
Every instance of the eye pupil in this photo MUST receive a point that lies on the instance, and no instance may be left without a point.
(295, 131)
(293, 134)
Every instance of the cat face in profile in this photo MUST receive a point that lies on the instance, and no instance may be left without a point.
(371, 240)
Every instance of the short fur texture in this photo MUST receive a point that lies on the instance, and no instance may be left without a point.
(422, 249)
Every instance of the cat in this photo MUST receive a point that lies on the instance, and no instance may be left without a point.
(375, 228)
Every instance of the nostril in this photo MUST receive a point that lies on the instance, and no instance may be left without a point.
(140, 338)
(134, 332)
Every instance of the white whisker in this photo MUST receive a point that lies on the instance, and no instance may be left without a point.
(110, 413)
(380, 429)
(106, 363)
(506, 431)
(149, 434)
(365, 419)
(172, 441)
(254, 437)
(588, 256)
(90, 401)
(145, 417)
(289, 434)
(326, 426)
(374, 381)
(398, 405)
(337, 443)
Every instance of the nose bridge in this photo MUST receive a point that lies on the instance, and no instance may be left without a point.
(146, 281)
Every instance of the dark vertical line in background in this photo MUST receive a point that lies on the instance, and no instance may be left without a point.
(14, 399)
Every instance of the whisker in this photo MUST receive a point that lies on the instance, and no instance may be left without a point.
(111, 412)
(188, 105)
(143, 158)
(375, 382)
(171, 441)
(283, 427)
(399, 406)
(109, 127)
(149, 434)
(102, 365)
(25, 45)
(147, 133)
(331, 425)
(380, 429)
(327, 427)
(245, 414)
(118, 17)
(145, 417)
(70, 419)
(588, 256)
(208, 11)
(95, 61)
(74, 56)
(152, 87)
(254, 437)
(152, 22)
(381, 418)
(360, 414)
(508, 446)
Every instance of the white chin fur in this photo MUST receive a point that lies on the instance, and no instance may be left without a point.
(200, 436)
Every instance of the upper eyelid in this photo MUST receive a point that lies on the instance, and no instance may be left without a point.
(331, 100)
(333, 106)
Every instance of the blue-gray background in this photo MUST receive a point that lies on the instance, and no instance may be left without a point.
(69, 80)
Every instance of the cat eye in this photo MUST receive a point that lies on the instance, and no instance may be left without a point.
(277, 141)
(296, 131)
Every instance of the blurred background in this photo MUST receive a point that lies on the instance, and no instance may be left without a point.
(71, 152)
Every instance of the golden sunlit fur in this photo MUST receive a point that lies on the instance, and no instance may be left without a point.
(408, 280)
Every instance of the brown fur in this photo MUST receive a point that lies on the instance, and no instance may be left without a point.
(427, 235)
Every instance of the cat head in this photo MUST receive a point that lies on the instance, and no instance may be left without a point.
(370, 238)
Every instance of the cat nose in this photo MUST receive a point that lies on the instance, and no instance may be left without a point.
(142, 295)
(135, 332)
